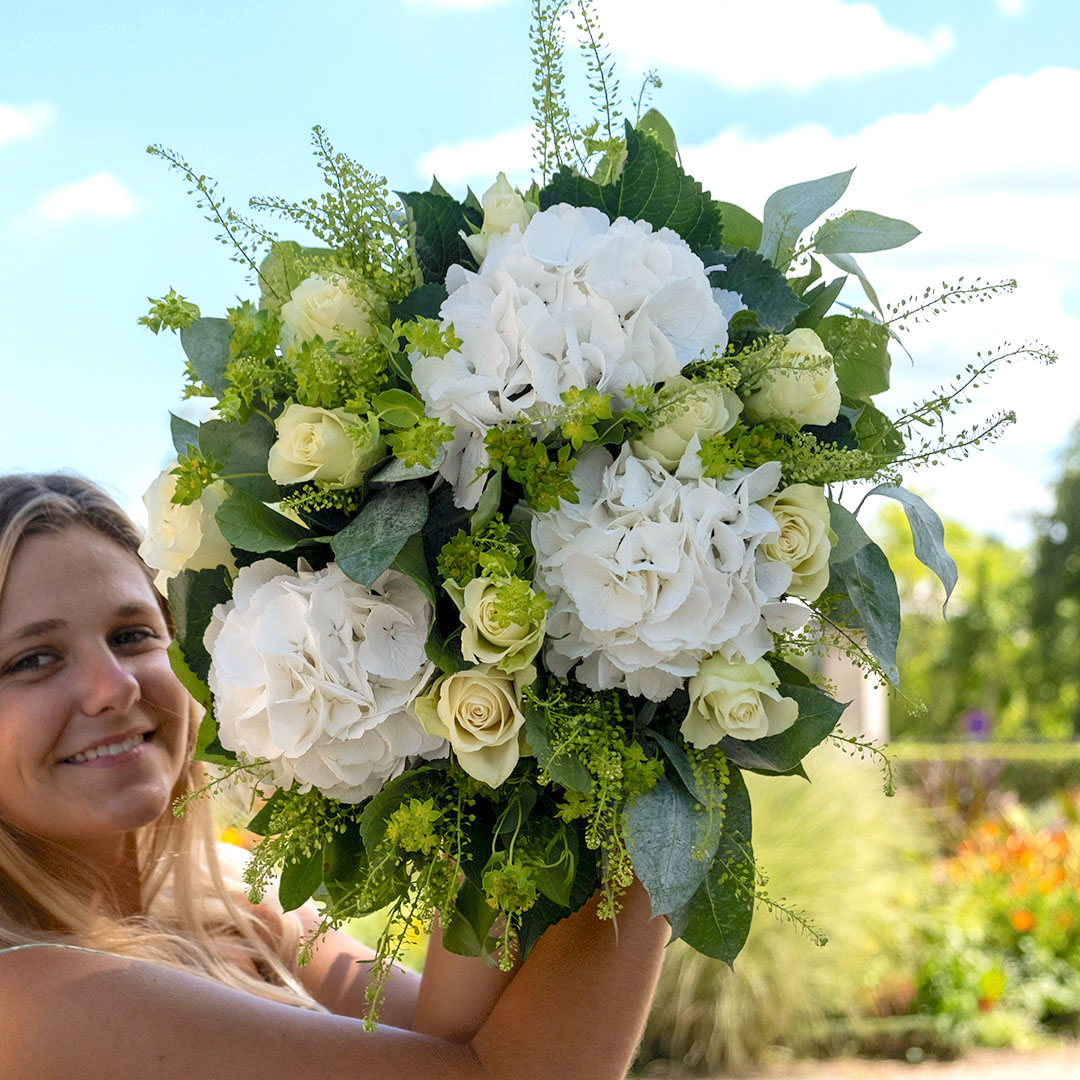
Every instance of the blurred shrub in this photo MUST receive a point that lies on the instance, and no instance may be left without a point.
(842, 851)
(1005, 936)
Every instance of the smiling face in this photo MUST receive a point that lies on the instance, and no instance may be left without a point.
(93, 722)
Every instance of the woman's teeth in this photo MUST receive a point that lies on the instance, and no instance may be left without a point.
(112, 750)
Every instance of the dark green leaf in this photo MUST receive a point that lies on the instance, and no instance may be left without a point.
(243, 450)
(184, 433)
(869, 583)
(376, 815)
(193, 595)
(563, 767)
(849, 533)
(792, 209)
(818, 301)
(877, 434)
(439, 221)
(371, 541)
(207, 744)
(652, 188)
(398, 408)
(860, 354)
(763, 288)
(716, 921)
(191, 682)
(680, 762)
(251, 525)
(465, 929)
(410, 561)
(741, 229)
(445, 653)
(663, 825)
(818, 715)
(260, 823)
(300, 879)
(546, 912)
(206, 344)
(927, 533)
(423, 302)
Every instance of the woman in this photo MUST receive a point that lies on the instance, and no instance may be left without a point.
(176, 974)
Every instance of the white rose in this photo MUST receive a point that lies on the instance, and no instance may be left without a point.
(484, 640)
(806, 538)
(808, 396)
(503, 208)
(316, 444)
(706, 412)
(315, 675)
(317, 307)
(182, 537)
(740, 700)
(478, 710)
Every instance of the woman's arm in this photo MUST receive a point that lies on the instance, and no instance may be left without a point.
(575, 1009)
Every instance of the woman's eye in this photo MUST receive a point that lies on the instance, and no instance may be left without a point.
(30, 663)
(134, 635)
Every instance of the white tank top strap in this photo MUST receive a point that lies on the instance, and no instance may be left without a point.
(46, 945)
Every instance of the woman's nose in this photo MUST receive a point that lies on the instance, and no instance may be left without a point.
(107, 686)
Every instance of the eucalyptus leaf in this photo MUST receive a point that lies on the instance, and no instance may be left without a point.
(371, 541)
(243, 450)
(818, 716)
(184, 433)
(398, 408)
(871, 587)
(850, 536)
(652, 187)
(716, 921)
(251, 525)
(662, 827)
(846, 263)
(206, 344)
(764, 290)
(860, 354)
(792, 209)
(862, 230)
(927, 534)
(437, 222)
(395, 471)
(488, 504)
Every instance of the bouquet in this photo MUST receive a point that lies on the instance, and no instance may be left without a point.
(517, 530)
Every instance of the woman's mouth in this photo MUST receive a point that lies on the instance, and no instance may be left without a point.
(110, 751)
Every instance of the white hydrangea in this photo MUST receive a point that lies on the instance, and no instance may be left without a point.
(650, 573)
(315, 674)
(573, 300)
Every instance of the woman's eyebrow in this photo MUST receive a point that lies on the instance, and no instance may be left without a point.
(34, 629)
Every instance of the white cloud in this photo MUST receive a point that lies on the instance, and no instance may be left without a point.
(23, 121)
(1012, 7)
(798, 44)
(101, 196)
(996, 191)
(480, 159)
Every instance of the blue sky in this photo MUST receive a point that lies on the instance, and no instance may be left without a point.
(956, 115)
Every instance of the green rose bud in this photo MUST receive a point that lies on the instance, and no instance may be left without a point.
(478, 710)
(503, 208)
(808, 396)
(328, 445)
(488, 639)
(740, 700)
(806, 538)
(708, 412)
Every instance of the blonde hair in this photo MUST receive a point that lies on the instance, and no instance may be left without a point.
(195, 915)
